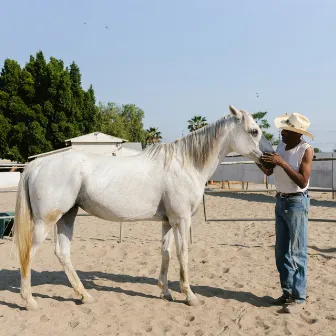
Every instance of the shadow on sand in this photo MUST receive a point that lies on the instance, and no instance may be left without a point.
(11, 282)
(255, 197)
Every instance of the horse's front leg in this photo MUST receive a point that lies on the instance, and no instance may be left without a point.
(181, 229)
(167, 241)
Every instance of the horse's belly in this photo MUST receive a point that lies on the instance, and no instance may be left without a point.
(122, 209)
(123, 193)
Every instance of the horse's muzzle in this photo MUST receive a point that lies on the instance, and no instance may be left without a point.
(267, 164)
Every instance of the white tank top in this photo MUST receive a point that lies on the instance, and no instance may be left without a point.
(293, 157)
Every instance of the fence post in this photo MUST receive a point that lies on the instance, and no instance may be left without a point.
(204, 210)
(266, 181)
(332, 177)
(120, 232)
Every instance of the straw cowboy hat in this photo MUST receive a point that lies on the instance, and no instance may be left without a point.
(295, 122)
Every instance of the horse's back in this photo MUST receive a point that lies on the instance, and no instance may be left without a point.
(126, 188)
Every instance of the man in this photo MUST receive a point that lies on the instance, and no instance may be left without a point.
(291, 165)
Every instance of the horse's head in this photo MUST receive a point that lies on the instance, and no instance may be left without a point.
(247, 138)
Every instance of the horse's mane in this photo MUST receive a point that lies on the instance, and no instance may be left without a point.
(195, 149)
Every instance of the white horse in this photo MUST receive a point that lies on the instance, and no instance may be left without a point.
(163, 183)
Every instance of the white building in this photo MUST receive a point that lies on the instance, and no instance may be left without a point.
(97, 143)
(9, 178)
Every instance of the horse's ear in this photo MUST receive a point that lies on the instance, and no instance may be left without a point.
(235, 112)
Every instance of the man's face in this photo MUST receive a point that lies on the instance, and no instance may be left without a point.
(289, 136)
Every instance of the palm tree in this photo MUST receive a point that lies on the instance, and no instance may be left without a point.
(196, 123)
(153, 136)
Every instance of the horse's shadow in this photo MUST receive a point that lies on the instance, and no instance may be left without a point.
(11, 282)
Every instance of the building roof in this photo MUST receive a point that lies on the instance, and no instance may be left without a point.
(49, 153)
(128, 151)
(133, 145)
(96, 137)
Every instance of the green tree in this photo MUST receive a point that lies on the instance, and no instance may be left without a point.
(110, 121)
(124, 121)
(259, 117)
(89, 112)
(317, 150)
(41, 105)
(4, 130)
(196, 123)
(133, 117)
(153, 136)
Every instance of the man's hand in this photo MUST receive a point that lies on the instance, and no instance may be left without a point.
(273, 159)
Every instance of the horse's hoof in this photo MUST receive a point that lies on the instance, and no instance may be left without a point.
(160, 284)
(193, 302)
(32, 305)
(88, 299)
(167, 297)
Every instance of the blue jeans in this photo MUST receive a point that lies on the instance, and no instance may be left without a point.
(291, 228)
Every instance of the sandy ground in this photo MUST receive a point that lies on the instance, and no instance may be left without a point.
(232, 270)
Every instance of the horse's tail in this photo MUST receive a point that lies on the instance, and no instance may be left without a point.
(23, 221)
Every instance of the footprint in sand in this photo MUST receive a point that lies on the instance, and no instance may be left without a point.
(86, 310)
(44, 318)
(152, 271)
(73, 324)
(309, 320)
(167, 328)
(243, 253)
(203, 254)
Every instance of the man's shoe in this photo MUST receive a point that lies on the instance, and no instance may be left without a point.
(280, 301)
(294, 307)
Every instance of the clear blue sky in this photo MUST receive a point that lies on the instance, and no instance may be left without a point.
(176, 59)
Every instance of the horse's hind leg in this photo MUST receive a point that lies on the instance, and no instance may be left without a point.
(181, 229)
(65, 228)
(167, 241)
(40, 231)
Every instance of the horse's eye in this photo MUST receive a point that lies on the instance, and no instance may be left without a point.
(254, 132)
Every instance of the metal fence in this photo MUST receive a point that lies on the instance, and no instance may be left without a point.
(323, 174)
(323, 179)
